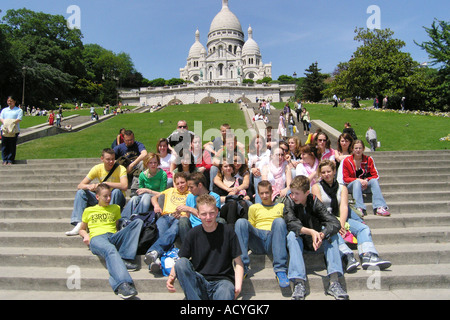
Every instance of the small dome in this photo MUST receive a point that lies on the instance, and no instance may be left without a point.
(225, 20)
(250, 46)
(197, 48)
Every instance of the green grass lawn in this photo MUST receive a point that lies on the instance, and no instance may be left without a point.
(395, 131)
(147, 128)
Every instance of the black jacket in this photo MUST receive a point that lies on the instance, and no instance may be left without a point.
(314, 216)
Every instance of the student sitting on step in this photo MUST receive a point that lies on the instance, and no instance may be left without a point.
(335, 197)
(205, 268)
(360, 176)
(167, 224)
(117, 248)
(265, 233)
(311, 227)
(115, 176)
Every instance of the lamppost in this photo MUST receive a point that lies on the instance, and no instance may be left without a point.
(24, 71)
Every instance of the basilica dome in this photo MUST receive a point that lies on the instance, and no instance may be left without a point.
(197, 48)
(225, 20)
(250, 46)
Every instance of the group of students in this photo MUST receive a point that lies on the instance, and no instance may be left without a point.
(267, 202)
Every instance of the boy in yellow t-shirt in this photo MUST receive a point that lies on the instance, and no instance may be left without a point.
(167, 224)
(117, 248)
(85, 196)
(265, 233)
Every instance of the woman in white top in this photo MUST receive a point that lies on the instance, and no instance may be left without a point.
(344, 149)
(310, 162)
(278, 173)
(335, 197)
(167, 158)
(323, 145)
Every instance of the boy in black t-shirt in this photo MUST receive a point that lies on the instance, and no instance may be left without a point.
(212, 247)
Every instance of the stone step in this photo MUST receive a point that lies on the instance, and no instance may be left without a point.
(418, 177)
(96, 280)
(413, 187)
(417, 196)
(398, 254)
(171, 298)
(428, 234)
(35, 214)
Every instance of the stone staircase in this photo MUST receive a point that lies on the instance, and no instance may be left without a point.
(38, 261)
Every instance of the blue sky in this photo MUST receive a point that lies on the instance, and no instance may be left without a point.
(292, 34)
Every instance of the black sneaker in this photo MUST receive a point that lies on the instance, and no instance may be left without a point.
(299, 291)
(371, 260)
(335, 289)
(350, 263)
(130, 265)
(126, 291)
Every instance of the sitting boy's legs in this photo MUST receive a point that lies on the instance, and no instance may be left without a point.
(196, 287)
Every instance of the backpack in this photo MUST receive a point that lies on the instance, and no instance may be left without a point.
(149, 232)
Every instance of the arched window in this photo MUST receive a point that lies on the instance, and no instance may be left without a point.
(221, 69)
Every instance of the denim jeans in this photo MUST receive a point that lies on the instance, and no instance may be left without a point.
(263, 242)
(196, 287)
(137, 204)
(297, 269)
(363, 235)
(355, 189)
(86, 198)
(168, 231)
(114, 247)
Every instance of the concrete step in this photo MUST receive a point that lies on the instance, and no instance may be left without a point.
(170, 298)
(429, 234)
(38, 194)
(418, 177)
(35, 213)
(96, 280)
(437, 195)
(414, 187)
(398, 254)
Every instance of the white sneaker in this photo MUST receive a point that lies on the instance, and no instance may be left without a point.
(74, 231)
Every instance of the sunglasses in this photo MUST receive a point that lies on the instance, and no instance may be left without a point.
(182, 127)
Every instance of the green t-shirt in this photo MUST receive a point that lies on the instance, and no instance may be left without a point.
(101, 220)
(156, 183)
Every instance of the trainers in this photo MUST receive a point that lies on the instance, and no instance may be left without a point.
(335, 289)
(382, 212)
(126, 291)
(283, 280)
(155, 266)
(299, 291)
(131, 266)
(150, 257)
(372, 260)
(350, 263)
(75, 230)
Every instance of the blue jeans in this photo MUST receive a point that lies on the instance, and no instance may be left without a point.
(114, 247)
(137, 204)
(355, 189)
(86, 198)
(263, 242)
(297, 269)
(196, 287)
(168, 231)
(363, 235)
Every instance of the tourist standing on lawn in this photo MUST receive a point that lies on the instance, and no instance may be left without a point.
(10, 118)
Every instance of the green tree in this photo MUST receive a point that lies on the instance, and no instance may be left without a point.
(312, 86)
(438, 49)
(47, 50)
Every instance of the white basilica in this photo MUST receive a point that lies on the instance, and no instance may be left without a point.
(227, 58)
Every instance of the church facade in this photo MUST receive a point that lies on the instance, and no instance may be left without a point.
(227, 58)
(216, 73)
